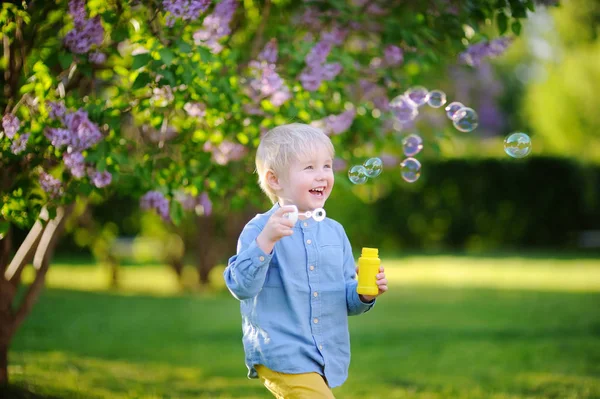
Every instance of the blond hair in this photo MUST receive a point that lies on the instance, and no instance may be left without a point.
(284, 144)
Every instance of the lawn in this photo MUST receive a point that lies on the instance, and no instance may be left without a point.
(450, 327)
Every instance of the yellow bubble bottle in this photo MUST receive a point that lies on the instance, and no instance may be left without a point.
(368, 267)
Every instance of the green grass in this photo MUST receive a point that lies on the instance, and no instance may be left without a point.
(450, 327)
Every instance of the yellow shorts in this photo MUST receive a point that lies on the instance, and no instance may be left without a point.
(294, 386)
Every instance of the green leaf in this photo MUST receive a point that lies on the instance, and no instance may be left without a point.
(530, 5)
(85, 69)
(502, 21)
(65, 59)
(51, 212)
(516, 27)
(166, 56)
(176, 212)
(141, 60)
(183, 46)
(141, 81)
(4, 226)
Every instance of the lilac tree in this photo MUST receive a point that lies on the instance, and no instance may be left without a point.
(166, 100)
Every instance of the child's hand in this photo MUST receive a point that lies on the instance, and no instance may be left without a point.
(381, 282)
(276, 228)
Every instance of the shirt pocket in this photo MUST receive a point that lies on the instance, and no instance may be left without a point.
(273, 278)
(331, 262)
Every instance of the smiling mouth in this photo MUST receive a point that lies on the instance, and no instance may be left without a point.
(319, 191)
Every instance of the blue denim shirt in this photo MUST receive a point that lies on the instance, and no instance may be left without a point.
(295, 302)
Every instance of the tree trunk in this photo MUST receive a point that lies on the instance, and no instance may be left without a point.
(177, 265)
(206, 241)
(3, 364)
(5, 248)
(114, 266)
(40, 244)
(7, 294)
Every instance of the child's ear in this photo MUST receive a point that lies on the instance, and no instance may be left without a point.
(273, 181)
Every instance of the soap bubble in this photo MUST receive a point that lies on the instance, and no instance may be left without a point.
(358, 174)
(517, 145)
(319, 214)
(412, 145)
(418, 95)
(410, 170)
(403, 108)
(465, 119)
(437, 98)
(452, 108)
(374, 167)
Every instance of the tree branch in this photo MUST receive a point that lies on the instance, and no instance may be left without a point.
(41, 262)
(26, 249)
(258, 38)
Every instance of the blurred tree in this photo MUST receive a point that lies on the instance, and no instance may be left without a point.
(562, 100)
(164, 100)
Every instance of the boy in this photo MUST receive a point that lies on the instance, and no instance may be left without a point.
(296, 282)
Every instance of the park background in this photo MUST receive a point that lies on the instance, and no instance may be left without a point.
(493, 262)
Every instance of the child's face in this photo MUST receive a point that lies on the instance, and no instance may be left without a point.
(309, 181)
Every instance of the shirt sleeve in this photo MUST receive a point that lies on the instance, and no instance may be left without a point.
(353, 303)
(246, 271)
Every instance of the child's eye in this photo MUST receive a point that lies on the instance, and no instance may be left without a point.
(328, 166)
(308, 167)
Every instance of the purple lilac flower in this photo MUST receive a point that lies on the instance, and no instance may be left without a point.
(316, 71)
(85, 34)
(77, 11)
(280, 96)
(58, 137)
(318, 54)
(389, 160)
(10, 124)
(162, 96)
(226, 151)
(269, 53)
(75, 163)
(84, 133)
(393, 55)
(339, 164)
(205, 203)
(265, 81)
(336, 36)
(187, 10)
(311, 18)
(97, 57)
(19, 145)
(101, 179)
(337, 124)
(56, 110)
(477, 52)
(50, 185)
(157, 201)
(268, 82)
(197, 110)
(187, 200)
(216, 26)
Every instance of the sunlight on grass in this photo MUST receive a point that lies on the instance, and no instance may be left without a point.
(153, 278)
(55, 373)
(505, 273)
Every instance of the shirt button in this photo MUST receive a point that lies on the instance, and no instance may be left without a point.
(305, 224)
(321, 347)
(308, 242)
(315, 320)
(312, 267)
(315, 294)
(262, 258)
